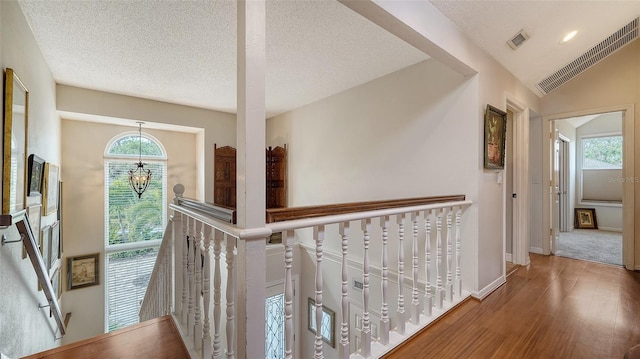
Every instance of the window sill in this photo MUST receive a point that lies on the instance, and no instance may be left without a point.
(600, 204)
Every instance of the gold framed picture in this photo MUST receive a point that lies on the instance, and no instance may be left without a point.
(50, 189)
(14, 171)
(586, 218)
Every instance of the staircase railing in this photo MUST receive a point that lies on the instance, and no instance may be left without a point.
(217, 277)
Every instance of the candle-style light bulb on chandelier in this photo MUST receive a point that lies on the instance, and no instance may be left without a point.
(139, 177)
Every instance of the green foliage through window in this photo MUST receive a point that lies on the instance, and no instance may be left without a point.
(130, 145)
(602, 152)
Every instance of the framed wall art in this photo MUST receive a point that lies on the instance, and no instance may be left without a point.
(16, 109)
(35, 216)
(45, 246)
(50, 189)
(495, 130)
(83, 271)
(55, 245)
(585, 218)
(34, 176)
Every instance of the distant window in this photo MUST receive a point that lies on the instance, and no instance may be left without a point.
(602, 169)
(602, 152)
(133, 226)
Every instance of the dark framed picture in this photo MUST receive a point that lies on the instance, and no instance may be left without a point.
(34, 177)
(495, 131)
(585, 218)
(327, 323)
(83, 271)
(16, 113)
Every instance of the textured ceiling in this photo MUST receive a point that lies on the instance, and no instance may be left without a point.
(491, 23)
(185, 51)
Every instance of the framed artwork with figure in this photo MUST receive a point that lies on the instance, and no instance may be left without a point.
(495, 131)
(82, 271)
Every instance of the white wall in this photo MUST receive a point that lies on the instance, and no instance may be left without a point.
(218, 127)
(83, 147)
(23, 328)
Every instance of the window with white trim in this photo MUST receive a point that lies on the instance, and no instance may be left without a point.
(602, 168)
(133, 226)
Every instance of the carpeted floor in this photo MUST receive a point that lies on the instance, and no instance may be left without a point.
(592, 245)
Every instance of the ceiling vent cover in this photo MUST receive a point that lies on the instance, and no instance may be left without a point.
(517, 40)
(597, 53)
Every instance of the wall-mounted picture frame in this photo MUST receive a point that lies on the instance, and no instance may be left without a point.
(55, 245)
(495, 131)
(83, 271)
(16, 110)
(55, 283)
(327, 328)
(35, 216)
(50, 189)
(34, 176)
(45, 246)
(585, 218)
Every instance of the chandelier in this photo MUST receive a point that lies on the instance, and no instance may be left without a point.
(139, 177)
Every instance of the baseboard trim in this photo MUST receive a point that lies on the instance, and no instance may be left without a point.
(610, 229)
(536, 250)
(484, 292)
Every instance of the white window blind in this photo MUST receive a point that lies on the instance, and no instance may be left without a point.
(133, 226)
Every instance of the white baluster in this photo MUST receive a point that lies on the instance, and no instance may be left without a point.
(231, 289)
(458, 283)
(428, 298)
(384, 311)
(344, 347)
(400, 328)
(184, 241)
(217, 294)
(449, 287)
(318, 234)
(415, 302)
(197, 337)
(206, 297)
(365, 336)
(439, 290)
(287, 241)
(192, 282)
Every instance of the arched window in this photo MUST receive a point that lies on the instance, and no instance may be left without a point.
(133, 226)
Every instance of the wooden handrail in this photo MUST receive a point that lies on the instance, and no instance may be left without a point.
(288, 214)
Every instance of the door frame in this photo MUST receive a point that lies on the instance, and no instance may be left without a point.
(628, 172)
(565, 175)
(521, 207)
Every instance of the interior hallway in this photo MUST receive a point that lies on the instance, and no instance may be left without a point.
(554, 308)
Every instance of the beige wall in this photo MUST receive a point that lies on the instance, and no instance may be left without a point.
(217, 127)
(23, 328)
(83, 147)
(613, 82)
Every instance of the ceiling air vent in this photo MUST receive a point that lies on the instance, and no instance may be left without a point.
(597, 53)
(517, 40)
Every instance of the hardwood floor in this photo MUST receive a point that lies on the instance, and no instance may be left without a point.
(156, 338)
(555, 308)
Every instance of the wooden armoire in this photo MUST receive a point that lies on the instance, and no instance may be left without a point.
(224, 186)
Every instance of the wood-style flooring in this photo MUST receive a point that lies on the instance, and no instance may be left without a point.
(157, 338)
(555, 308)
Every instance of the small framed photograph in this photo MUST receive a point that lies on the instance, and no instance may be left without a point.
(50, 189)
(495, 131)
(83, 271)
(585, 218)
(45, 246)
(35, 215)
(55, 244)
(327, 324)
(34, 178)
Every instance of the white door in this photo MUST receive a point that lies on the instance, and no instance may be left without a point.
(554, 188)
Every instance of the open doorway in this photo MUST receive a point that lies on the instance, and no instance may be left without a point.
(587, 171)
